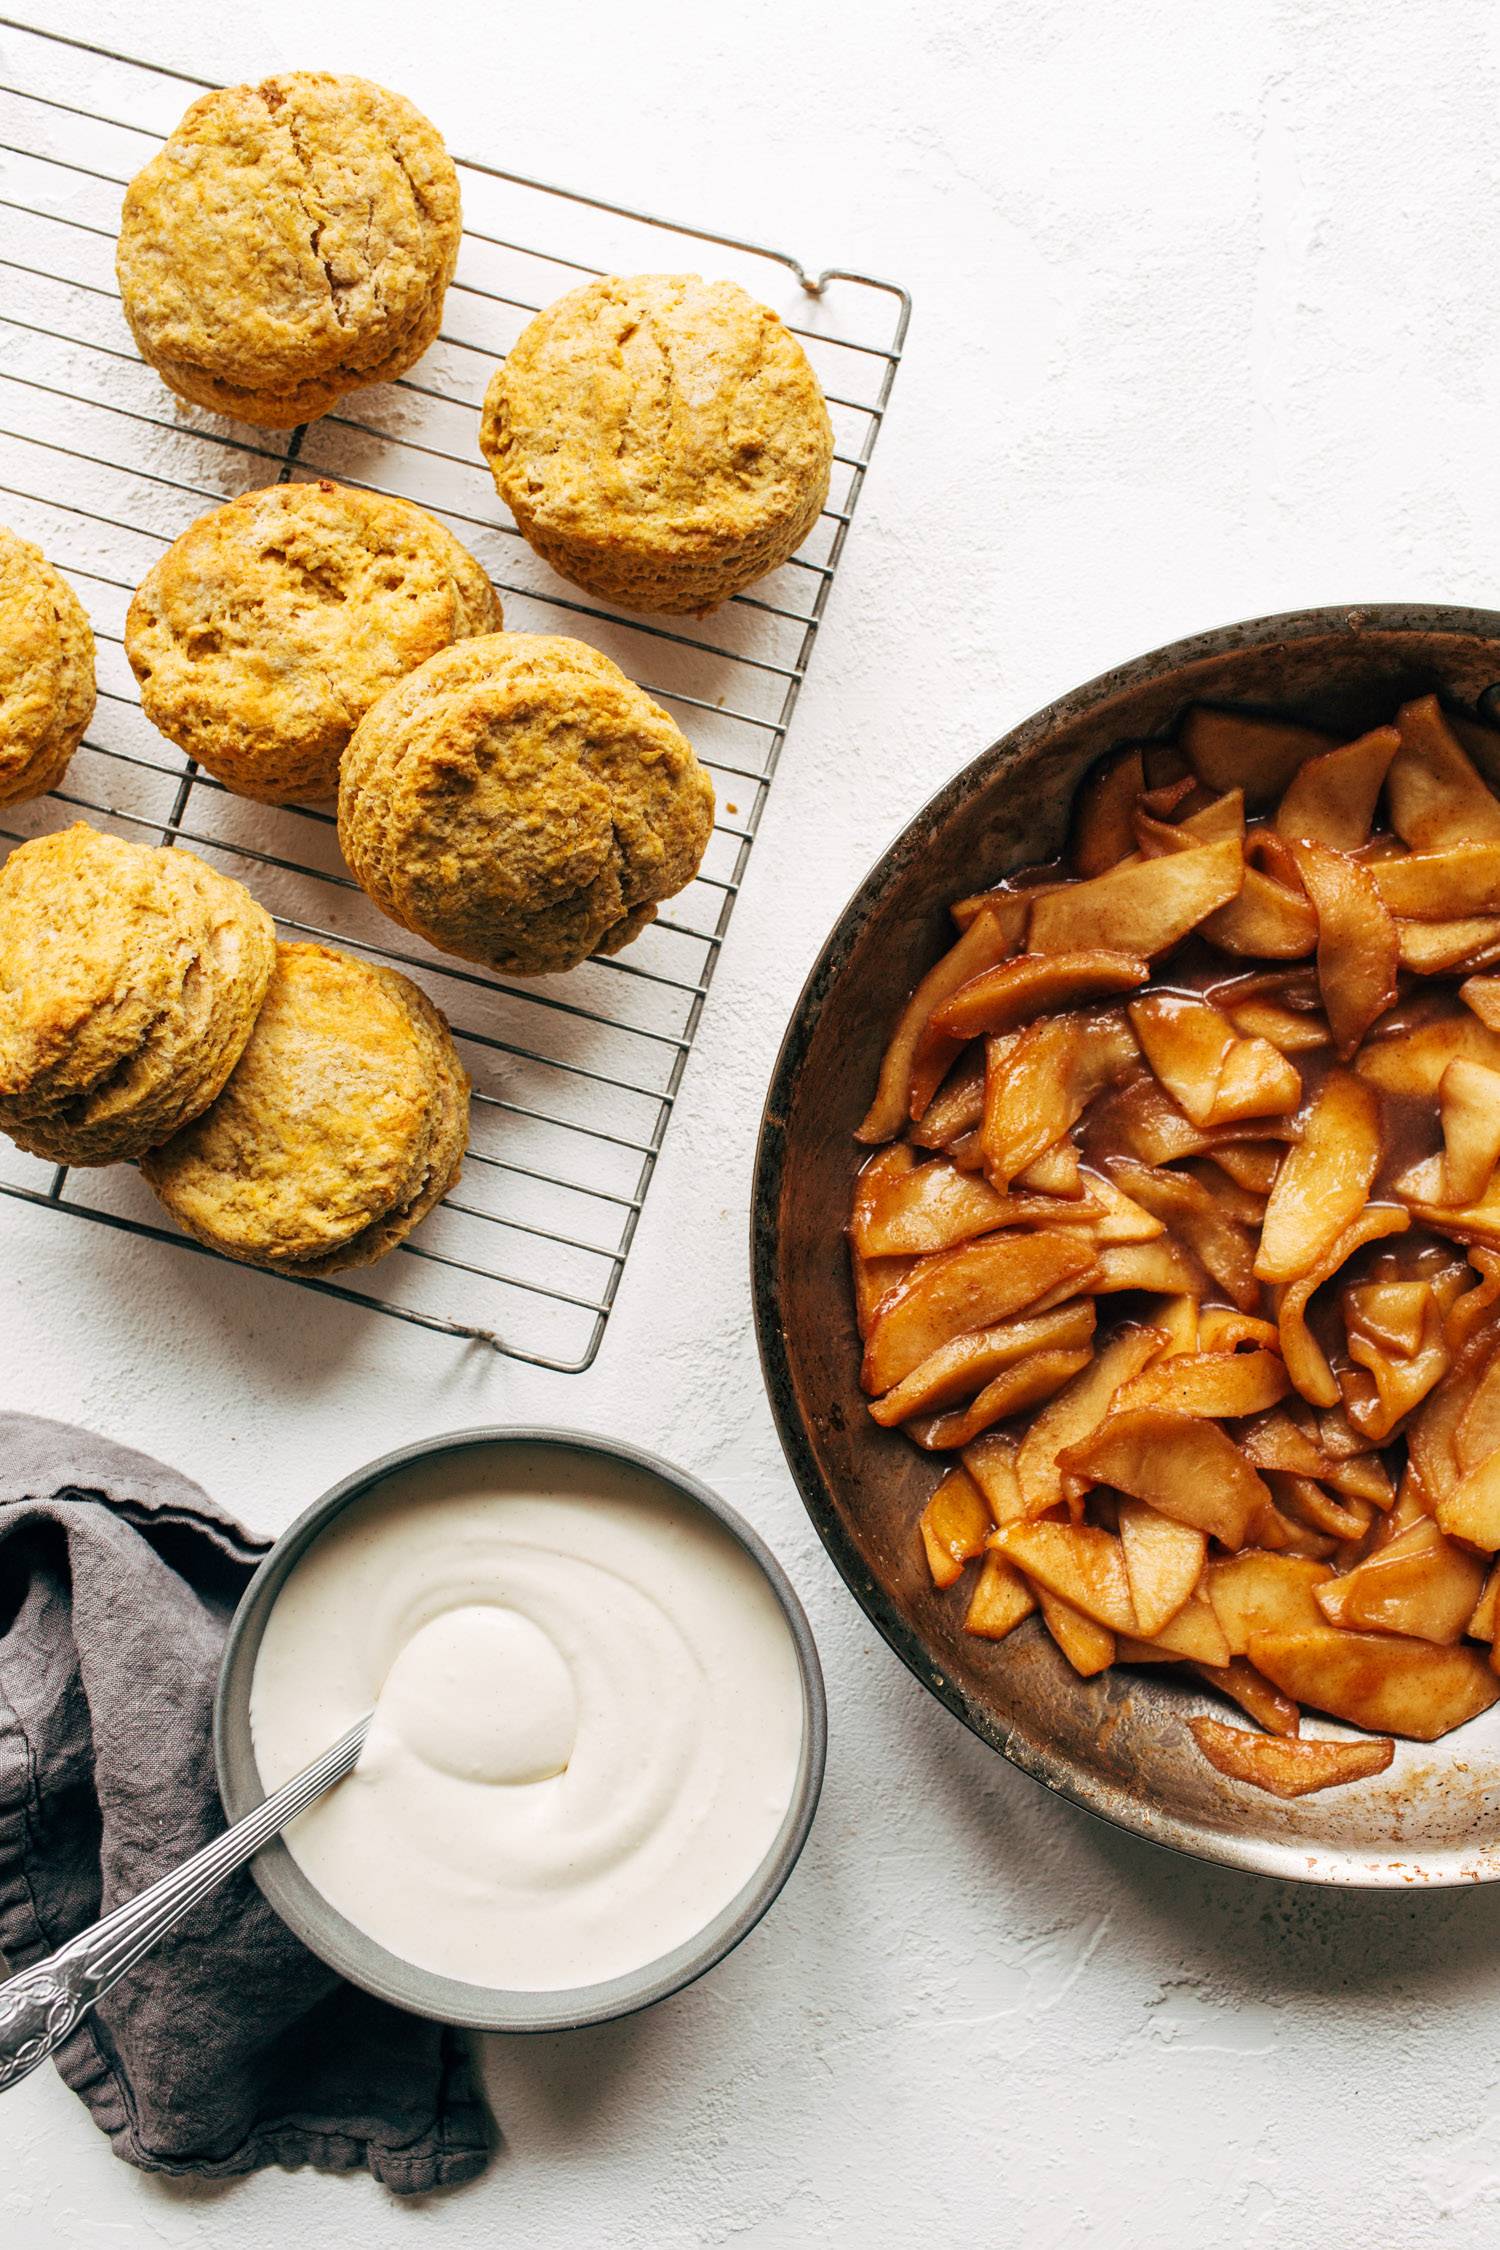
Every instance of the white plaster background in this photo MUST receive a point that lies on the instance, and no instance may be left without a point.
(1204, 328)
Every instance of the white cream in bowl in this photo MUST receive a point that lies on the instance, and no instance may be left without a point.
(589, 1715)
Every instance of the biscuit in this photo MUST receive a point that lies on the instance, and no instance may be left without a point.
(520, 802)
(264, 634)
(290, 242)
(662, 441)
(130, 978)
(46, 671)
(343, 1124)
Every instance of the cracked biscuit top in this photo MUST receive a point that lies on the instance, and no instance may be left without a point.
(660, 439)
(518, 801)
(264, 634)
(291, 241)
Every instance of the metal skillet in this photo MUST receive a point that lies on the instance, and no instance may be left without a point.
(1116, 1744)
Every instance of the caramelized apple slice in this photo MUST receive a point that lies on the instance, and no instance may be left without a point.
(1109, 1215)
(1256, 1592)
(1205, 1221)
(1239, 1680)
(1377, 1680)
(1469, 1105)
(1142, 909)
(1358, 951)
(1472, 1509)
(1388, 1379)
(1419, 1584)
(1411, 1061)
(1000, 1600)
(1034, 1091)
(1435, 949)
(1215, 1386)
(1288, 1767)
(1187, 1469)
(1482, 994)
(1080, 1564)
(966, 1364)
(1163, 1562)
(972, 1287)
(1331, 799)
(1035, 984)
(1088, 1647)
(1293, 1031)
(1240, 750)
(1306, 1362)
(1437, 799)
(954, 1526)
(1214, 1073)
(1441, 886)
(937, 1206)
(991, 1462)
(1323, 1180)
(1010, 1392)
(989, 938)
(1073, 1413)
(1104, 809)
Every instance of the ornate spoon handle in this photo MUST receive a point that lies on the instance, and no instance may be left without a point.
(40, 2006)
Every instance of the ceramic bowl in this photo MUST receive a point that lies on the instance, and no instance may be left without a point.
(446, 1999)
(1117, 1743)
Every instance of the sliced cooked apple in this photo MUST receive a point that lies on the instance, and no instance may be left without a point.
(1222, 1329)
(1358, 951)
(1190, 1470)
(1469, 1106)
(1250, 1164)
(1141, 1119)
(1331, 799)
(1082, 1565)
(1193, 1635)
(1482, 994)
(1377, 1680)
(874, 1280)
(1472, 1509)
(1163, 1562)
(1445, 948)
(1411, 1061)
(991, 1462)
(1115, 1216)
(937, 1206)
(1388, 1379)
(1055, 1172)
(1000, 1600)
(1074, 1412)
(1213, 1385)
(1088, 1647)
(1240, 750)
(1255, 1592)
(967, 1364)
(1267, 920)
(1033, 1092)
(1142, 909)
(1203, 1219)
(955, 1108)
(1419, 1584)
(1016, 992)
(1437, 799)
(1484, 1619)
(1010, 1392)
(972, 1287)
(1207, 824)
(1295, 1767)
(1206, 1066)
(1104, 809)
(1294, 1031)
(1163, 1267)
(1239, 1680)
(1306, 1362)
(989, 938)
(954, 1526)
(1441, 886)
(1323, 1180)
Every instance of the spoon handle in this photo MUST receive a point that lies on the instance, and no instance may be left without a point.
(43, 2004)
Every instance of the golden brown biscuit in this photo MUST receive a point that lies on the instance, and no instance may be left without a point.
(661, 441)
(265, 632)
(343, 1124)
(519, 801)
(291, 241)
(130, 978)
(46, 671)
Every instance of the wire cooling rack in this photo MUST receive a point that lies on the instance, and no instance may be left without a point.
(575, 1077)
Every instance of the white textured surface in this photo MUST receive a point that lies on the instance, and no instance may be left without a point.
(1203, 329)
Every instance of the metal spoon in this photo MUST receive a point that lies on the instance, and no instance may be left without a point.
(41, 2006)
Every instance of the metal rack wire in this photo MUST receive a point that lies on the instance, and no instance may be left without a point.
(574, 1078)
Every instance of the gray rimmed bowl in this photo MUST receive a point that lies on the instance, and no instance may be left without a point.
(1117, 1743)
(347, 1949)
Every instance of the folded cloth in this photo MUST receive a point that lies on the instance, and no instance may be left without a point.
(230, 2046)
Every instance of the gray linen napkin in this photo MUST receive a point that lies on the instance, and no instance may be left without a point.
(230, 2047)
